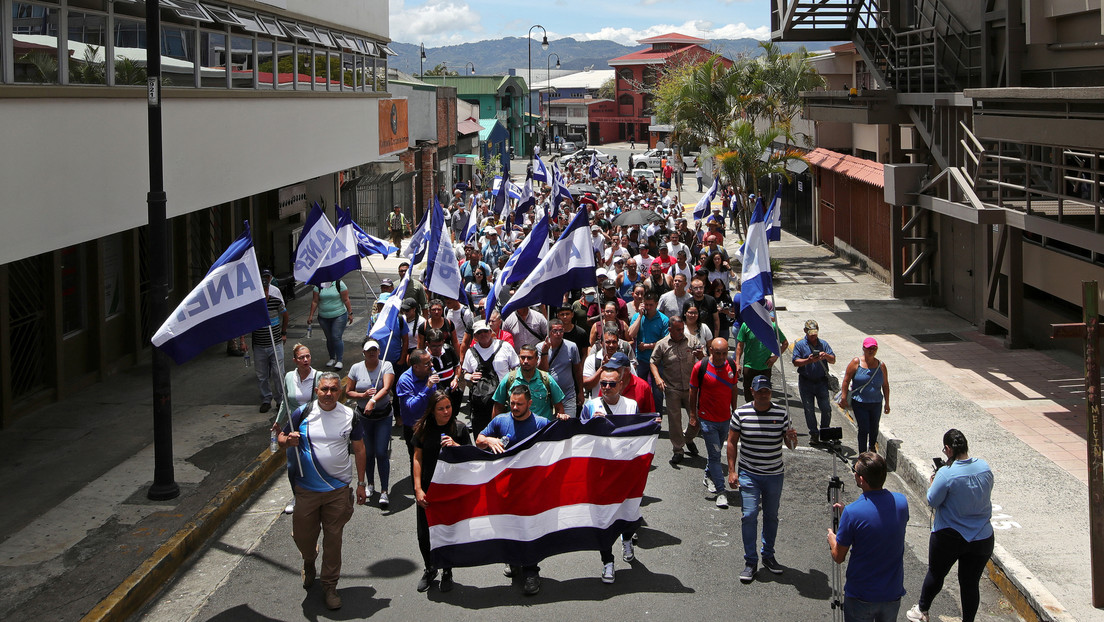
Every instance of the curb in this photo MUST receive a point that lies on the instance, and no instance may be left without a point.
(158, 569)
(1025, 593)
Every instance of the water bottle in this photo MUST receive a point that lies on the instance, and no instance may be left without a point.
(310, 329)
(246, 358)
(273, 444)
(505, 441)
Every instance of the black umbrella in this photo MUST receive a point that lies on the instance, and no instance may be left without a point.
(636, 217)
(579, 189)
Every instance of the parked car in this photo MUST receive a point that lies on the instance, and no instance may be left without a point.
(568, 147)
(653, 159)
(582, 156)
(646, 173)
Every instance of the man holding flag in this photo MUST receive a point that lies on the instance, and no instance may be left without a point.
(757, 346)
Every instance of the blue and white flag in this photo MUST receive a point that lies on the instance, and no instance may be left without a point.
(370, 244)
(593, 168)
(540, 172)
(528, 254)
(774, 217)
(527, 201)
(324, 254)
(568, 265)
(386, 328)
(701, 210)
(512, 189)
(228, 303)
(559, 191)
(472, 226)
(415, 249)
(757, 283)
(500, 203)
(442, 273)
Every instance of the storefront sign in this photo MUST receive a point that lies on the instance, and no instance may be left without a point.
(293, 200)
(393, 133)
(467, 159)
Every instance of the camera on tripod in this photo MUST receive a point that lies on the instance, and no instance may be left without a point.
(831, 434)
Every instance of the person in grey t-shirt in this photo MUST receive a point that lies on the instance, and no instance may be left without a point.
(561, 359)
(671, 302)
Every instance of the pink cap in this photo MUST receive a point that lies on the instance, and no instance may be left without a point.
(870, 342)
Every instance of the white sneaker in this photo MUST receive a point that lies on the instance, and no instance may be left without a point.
(915, 615)
(290, 508)
(384, 502)
(709, 487)
(628, 555)
(607, 573)
(329, 363)
(338, 365)
(369, 491)
(722, 500)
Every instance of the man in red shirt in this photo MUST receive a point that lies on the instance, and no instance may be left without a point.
(634, 387)
(714, 396)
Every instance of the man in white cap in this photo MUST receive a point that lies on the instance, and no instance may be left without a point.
(486, 363)
(493, 249)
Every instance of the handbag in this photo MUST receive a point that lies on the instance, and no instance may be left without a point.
(838, 398)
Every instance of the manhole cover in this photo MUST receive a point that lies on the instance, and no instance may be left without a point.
(937, 338)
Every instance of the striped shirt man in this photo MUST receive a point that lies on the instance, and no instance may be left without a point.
(761, 435)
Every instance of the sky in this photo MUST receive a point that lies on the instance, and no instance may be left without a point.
(449, 22)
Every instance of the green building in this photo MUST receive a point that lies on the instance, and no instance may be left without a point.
(498, 97)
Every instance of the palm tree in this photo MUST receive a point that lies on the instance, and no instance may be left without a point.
(748, 157)
(697, 100)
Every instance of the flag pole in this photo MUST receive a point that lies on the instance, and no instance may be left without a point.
(777, 338)
(283, 389)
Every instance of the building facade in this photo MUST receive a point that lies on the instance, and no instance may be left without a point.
(267, 107)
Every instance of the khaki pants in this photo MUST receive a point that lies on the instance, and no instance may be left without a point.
(676, 401)
(326, 512)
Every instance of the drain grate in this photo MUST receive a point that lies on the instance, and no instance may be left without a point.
(938, 338)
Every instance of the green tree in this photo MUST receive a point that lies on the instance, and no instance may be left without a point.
(441, 70)
(748, 156)
(608, 90)
(697, 101)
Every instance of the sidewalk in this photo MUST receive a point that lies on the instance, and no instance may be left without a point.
(75, 474)
(1021, 410)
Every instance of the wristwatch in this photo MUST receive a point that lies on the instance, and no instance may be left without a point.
(359, 484)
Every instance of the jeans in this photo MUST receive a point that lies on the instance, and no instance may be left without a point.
(867, 417)
(759, 491)
(855, 610)
(945, 547)
(268, 362)
(699, 184)
(815, 393)
(714, 434)
(657, 395)
(334, 329)
(377, 437)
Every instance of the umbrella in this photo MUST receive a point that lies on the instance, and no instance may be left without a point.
(636, 217)
(578, 189)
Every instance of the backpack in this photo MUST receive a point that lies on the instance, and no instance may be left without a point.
(545, 378)
(485, 387)
(704, 363)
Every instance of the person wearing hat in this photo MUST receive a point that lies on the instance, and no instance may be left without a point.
(370, 382)
(475, 261)
(759, 428)
(486, 363)
(493, 249)
(414, 322)
(812, 356)
(866, 388)
(632, 386)
(414, 287)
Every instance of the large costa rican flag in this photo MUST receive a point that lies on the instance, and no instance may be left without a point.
(570, 487)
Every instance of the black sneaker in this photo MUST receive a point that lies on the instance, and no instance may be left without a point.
(511, 571)
(446, 580)
(814, 439)
(692, 448)
(531, 585)
(427, 579)
(748, 575)
(675, 459)
(265, 407)
(772, 565)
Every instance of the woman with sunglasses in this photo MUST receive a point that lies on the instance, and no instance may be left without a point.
(438, 320)
(370, 382)
(299, 386)
(437, 428)
(866, 387)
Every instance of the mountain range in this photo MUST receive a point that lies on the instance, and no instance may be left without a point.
(498, 56)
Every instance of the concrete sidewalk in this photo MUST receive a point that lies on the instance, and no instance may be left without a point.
(1021, 410)
(76, 472)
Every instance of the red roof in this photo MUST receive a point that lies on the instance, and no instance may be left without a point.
(673, 37)
(651, 56)
(578, 100)
(843, 47)
(468, 126)
(866, 171)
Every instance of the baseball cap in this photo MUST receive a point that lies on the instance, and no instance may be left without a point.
(595, 228)
(409, 304)
(870, 342)
(387, 283)
(266, 272)
(490, 231)
(617, 361)
(811, 327)
(480, 326)
(371, 344)
(608, 284)
(404, 263)
(589, 290)
(760, 382)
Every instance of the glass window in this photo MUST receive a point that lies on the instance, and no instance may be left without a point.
(87, 48)
(130, 52)
(212, 59)
(321, 71)
(285, 66)
(35, 43)
(348, 64)
(73, 304)
(178, 55)
(361, 79)
(266, 76)
(304, 68)
(242, 66)
(381, 73)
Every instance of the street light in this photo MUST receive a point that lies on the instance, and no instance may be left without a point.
(469, 63)
(421, 62)
(544, 46)
(547, 79)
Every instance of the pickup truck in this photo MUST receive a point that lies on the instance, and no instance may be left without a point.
(653, 157)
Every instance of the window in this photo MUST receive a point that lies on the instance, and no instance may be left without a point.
(178, 55)
(87, 48)
(266, 79)
(242, 65)
(304, 67)
(35, 43)
(212, 59)
(285, 66)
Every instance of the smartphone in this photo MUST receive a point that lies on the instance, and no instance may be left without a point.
(939, 463)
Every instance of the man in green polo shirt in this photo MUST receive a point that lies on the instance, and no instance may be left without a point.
(545, 392)
(753, 358)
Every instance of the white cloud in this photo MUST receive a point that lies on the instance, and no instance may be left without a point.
(436, 22)
(694, 28)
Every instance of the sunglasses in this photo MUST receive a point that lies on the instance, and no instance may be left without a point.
(606, 384)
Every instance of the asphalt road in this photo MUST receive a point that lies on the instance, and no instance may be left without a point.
(688, 558)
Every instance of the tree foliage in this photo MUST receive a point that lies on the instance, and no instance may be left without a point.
(608, 90)
(441, 70)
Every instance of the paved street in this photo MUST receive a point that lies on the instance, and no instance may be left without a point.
(688, 557)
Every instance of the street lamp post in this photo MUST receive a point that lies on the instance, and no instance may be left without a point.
(421, 62)
(547, 79)
(544, 46)
(472, 65)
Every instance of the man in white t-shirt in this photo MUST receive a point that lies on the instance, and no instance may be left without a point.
(486, 355)
(611, 403)
(320, 433)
